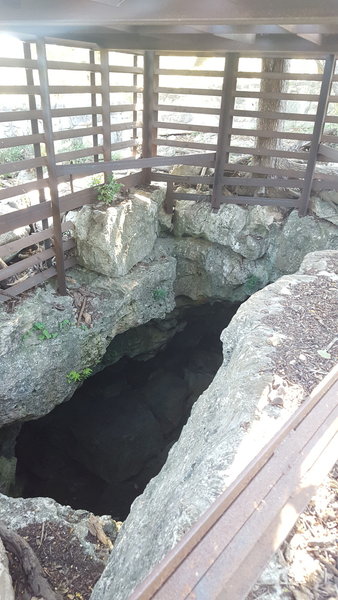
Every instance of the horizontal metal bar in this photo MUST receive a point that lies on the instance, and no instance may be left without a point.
(125, 88)
(279, 135)
(281, 116)
(30, 240)
(136, 163)
(191, 91)
(278, 96)
(74, 154)
(187, 109)
(123, 69)
(23, 140)
(20, 115)
(73, 133)
(180, 144)
(34, 280)
(185, 127)
(189, 72)
(22, 165)
(23, 188)
(279, 76)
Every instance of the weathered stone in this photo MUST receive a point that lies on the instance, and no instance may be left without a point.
(33, 371)
(245, 231)
(229, 424)
(185, 170)
(207, 270)
(6, 587)
(298, 237)
(114, 239)
(325, 209)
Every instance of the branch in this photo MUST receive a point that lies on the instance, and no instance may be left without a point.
(36, 579)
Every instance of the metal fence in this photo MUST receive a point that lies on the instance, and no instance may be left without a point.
(140, 110)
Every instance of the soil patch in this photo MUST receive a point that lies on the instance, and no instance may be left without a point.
(68, 568)
(312, 316)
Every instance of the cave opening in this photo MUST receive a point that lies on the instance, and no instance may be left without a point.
(99, 450)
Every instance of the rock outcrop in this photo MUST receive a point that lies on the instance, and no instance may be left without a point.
(248, 400)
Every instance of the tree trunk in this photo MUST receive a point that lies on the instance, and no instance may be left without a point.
(270, 86)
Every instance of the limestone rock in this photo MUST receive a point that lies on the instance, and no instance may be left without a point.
(208, 270)
(243, 230)
(325, 208)
(6, 587)
(298, 237)
(33, 371)
(229, 423)
(185, 170)
(114, 239)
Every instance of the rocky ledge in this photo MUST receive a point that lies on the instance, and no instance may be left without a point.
(277, 346)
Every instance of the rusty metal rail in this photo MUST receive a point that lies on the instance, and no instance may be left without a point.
(224, 553)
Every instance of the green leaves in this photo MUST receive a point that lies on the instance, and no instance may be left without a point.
(77, 376)
(44, 334)
(324, 353)
(109, 191)
(159, 294)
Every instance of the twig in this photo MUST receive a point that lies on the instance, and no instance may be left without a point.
(81, 311)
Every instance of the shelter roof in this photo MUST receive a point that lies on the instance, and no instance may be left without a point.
(248, 26)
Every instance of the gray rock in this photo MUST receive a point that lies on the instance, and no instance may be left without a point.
(17, 513)
(229, 424)
(6, 587)
(111, 240)
(244, 230)
(298, 237)
(33, 371)
(325, 208)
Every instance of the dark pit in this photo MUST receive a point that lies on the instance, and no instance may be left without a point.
(99, 450)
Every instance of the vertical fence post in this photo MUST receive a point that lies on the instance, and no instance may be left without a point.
(35, 129)
(225, 122)
(93, 101)
(148, 109)
(51, 165)
(317, 132)
(156, 79)
(134, 149)
(105, 108)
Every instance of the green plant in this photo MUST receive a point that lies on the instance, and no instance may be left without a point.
(96, 180)
(77, 376)
(43, 333)
(252, 284)
(109, 191)
(159, 294)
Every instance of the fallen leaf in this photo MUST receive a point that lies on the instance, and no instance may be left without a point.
(324, 353)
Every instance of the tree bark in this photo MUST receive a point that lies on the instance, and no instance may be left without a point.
(270, 86)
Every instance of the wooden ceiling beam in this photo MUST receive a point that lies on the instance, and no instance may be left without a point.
(314, 38)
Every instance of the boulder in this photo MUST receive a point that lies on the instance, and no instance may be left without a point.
(231, 422)
(111, 240)
(244, 230)
(34, 371)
